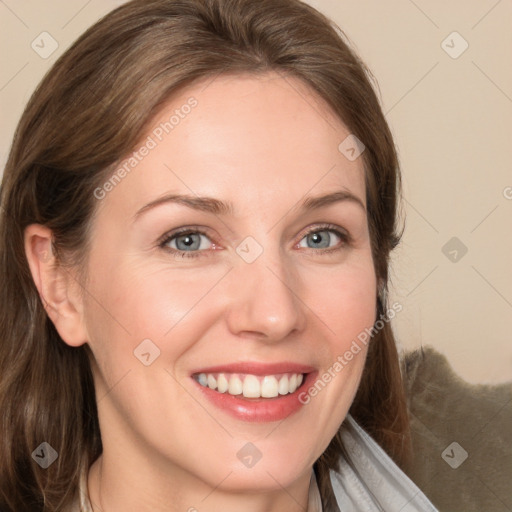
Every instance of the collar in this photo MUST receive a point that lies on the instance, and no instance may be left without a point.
(368, 479)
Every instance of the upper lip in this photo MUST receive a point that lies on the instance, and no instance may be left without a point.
(254, 368)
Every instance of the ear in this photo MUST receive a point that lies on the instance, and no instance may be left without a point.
(57, 287)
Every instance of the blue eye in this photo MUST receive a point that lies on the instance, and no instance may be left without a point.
(321, 238)
(187, 243)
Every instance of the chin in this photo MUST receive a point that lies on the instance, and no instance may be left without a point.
(260, 470)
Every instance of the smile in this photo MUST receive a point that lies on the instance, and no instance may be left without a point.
(254, 392)
(251, 386)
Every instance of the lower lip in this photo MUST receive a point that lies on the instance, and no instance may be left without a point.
(259, 409)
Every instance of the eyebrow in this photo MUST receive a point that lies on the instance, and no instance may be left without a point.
(218, 207)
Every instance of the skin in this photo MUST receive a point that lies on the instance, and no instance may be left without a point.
(264, 143)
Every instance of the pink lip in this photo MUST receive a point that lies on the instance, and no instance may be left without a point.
(254, 368)
(258, 409)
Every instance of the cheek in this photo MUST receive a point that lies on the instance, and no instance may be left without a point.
(346, 305)
(345, 301)
(152, 301)
(148, 302)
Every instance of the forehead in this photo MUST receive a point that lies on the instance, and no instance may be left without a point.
(251, 138)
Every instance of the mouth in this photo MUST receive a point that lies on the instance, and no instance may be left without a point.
(251, 386)
(255, 392)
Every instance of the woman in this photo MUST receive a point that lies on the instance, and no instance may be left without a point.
(197, 215)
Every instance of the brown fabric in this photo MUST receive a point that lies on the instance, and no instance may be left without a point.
(444, 409)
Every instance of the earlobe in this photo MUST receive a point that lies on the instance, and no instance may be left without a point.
(57, 287)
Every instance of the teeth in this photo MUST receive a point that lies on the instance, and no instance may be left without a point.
(222, 383)
(235, 386)
(269, 387)
(212, 382)
(293, 383)
(284, 387)
(251, 386)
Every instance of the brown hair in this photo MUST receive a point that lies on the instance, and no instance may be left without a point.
(85, 116)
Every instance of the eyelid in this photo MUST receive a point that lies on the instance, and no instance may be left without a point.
(162, 242)
(326, 227)
(173, 233)
(343, 234)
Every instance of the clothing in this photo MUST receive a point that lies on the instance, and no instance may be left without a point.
(372, 483)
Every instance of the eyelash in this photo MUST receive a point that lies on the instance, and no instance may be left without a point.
(344, 237)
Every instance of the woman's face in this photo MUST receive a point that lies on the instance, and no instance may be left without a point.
(245, 273)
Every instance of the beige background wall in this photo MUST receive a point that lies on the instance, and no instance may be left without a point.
(451, 113)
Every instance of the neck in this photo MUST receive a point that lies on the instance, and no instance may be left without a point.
(113, 488)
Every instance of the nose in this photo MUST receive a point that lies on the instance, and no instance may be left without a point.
(264, 300)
